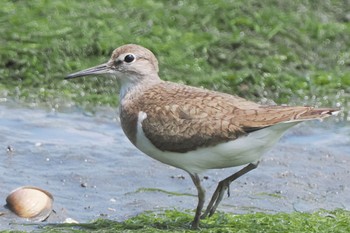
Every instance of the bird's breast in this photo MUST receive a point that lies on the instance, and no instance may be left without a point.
(128, 120)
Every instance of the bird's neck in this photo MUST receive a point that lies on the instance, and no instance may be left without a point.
(131, 85)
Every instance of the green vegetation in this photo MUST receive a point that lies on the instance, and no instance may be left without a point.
(288, 51)
(175, 221)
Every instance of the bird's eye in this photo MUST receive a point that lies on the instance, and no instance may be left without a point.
(129, 58)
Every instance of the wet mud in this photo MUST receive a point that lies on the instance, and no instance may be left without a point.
(93, 171)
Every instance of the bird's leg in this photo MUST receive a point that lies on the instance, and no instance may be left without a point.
(201, 200)
(223, 186)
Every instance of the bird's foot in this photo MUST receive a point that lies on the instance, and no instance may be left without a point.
(195, 225)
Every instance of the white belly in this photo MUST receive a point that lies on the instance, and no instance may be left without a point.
(246, 149)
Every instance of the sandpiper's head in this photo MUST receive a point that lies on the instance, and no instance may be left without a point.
(128, 63)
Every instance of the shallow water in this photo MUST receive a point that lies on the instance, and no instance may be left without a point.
(93, 171)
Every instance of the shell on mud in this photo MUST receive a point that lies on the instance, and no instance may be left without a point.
(30, 202)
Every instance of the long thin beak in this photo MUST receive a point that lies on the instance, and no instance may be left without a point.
(96, 70)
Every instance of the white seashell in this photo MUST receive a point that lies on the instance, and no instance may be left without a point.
(30, 202)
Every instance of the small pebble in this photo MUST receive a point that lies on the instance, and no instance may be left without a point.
(180, 177)
(70, 220)
(10, 149)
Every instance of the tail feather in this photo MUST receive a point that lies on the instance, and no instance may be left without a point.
(270, 115)
(317, 113)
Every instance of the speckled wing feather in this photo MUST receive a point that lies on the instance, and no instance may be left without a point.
(182, 118)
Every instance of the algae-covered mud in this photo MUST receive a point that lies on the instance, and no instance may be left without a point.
(290, 51)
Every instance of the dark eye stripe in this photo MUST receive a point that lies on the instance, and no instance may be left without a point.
(117, 62)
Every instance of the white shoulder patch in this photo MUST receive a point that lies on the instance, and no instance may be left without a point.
(140, 118)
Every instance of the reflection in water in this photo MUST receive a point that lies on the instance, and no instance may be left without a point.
(93, 171)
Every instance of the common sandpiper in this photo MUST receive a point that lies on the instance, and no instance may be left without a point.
(192, 128)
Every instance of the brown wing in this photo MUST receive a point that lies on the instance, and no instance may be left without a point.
(182, 118)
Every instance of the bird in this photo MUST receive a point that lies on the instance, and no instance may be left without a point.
(192, 128)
